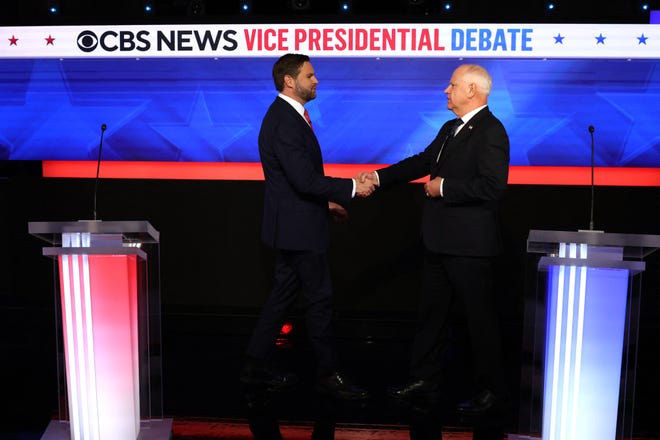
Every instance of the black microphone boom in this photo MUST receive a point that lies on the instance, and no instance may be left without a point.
(98, 167)
(591, 214)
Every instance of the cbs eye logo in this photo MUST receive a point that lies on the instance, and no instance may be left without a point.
(87, 41)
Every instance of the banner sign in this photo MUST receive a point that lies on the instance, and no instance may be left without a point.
(194, 95)
(335, 40)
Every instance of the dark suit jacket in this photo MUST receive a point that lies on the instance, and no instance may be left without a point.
(475, 165)
(297, 191)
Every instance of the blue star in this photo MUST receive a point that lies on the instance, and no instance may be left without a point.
(642, 40)
(600, 39)
(559, 39)
(50, 118)
(200, 137)
(642, 137)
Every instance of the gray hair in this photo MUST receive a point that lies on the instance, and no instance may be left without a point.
(480, 76)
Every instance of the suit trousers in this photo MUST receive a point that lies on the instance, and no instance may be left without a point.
(296, 271)
(458, 282)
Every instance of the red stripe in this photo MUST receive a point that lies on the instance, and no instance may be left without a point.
(518, 175)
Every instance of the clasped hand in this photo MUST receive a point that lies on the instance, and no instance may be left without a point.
(432, 187)
(366, 183)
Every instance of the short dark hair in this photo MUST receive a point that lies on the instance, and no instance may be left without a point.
(288, 64)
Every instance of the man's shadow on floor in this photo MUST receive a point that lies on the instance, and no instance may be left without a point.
(262, 405)
(427, 418)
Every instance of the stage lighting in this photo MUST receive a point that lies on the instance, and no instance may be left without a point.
(418, 6)
(644, 7)
(345, 7)
(300, 5)
(245, 7)
(447, 7)
(54, 7)
(196, 8)
(284, 339)
(550, 6)
(148, 7)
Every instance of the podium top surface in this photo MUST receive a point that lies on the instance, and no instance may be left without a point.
(132, 230)
(634, 245)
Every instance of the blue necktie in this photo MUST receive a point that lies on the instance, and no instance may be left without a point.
(457, 123)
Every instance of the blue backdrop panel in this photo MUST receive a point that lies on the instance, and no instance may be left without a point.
(368, 110)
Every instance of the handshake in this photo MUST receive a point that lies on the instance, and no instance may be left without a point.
(365, 183)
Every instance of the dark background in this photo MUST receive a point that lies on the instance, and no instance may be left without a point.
(35, 12)
(215, 273)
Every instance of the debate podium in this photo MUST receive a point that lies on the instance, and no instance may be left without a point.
(108, 330)
(580, 337)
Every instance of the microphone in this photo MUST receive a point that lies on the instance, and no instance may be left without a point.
(591, 214)
(98, 167)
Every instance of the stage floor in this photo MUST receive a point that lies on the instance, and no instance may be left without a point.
(201, 361)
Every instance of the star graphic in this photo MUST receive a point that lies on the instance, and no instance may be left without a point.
(49, 40)
(641, 137)
(13, 41)
(600, 39)
(642, 40)
(201, 136)
(52, 119)
(559, 39)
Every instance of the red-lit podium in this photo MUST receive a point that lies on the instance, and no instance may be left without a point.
(109, 333)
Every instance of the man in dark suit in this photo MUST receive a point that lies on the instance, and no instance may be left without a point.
(298, 201)
(468, 165)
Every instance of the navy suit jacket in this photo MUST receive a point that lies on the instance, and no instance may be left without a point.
(297, 191)
(475, 165)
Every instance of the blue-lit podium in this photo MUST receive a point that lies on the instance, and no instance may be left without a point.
(582, 326)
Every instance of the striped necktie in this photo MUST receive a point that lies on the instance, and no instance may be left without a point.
(309, 121)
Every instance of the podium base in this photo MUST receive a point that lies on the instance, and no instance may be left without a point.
(160, 429)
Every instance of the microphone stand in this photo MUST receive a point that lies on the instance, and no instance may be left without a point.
(98, 167)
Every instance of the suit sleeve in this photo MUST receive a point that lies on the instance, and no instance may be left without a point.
(412, 168)
(303, 171)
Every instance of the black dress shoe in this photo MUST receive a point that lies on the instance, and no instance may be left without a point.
(419, 388)
(485, 402)
(338, 386)
(267, 377)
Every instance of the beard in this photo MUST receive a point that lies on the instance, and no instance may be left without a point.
(305, 94)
